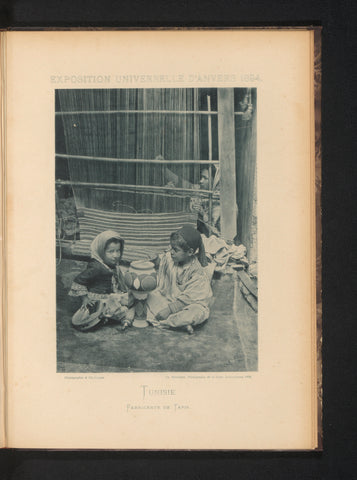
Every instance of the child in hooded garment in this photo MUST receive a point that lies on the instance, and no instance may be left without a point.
(102, 281)
(183, 295)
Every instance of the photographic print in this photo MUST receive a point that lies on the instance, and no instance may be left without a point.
(165, 183)
(156, 230)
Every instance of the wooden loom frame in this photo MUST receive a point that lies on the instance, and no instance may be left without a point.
(226, 161)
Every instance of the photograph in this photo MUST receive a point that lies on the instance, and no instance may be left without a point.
(156, 229)
(170, 180)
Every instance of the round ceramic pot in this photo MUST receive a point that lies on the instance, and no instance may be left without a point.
(141, 277)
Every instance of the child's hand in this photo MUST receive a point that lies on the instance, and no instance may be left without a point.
(163, 314)
(86, 302)
(124, 300)
(156, 261)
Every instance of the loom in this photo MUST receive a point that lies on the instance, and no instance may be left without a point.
(120, 144)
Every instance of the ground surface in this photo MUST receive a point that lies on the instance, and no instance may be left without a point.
(226, 342)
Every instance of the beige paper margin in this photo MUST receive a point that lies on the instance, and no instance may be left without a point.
(270, 409)
(2, 242)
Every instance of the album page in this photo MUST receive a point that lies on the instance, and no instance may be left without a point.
(139, 133)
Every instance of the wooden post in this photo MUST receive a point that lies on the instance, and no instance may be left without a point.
(210, 159)
(227, 160)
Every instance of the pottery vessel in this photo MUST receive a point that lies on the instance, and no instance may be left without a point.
(141, 277)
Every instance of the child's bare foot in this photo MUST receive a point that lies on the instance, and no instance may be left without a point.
(189, 330)
(153, 322)
(125, 326)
